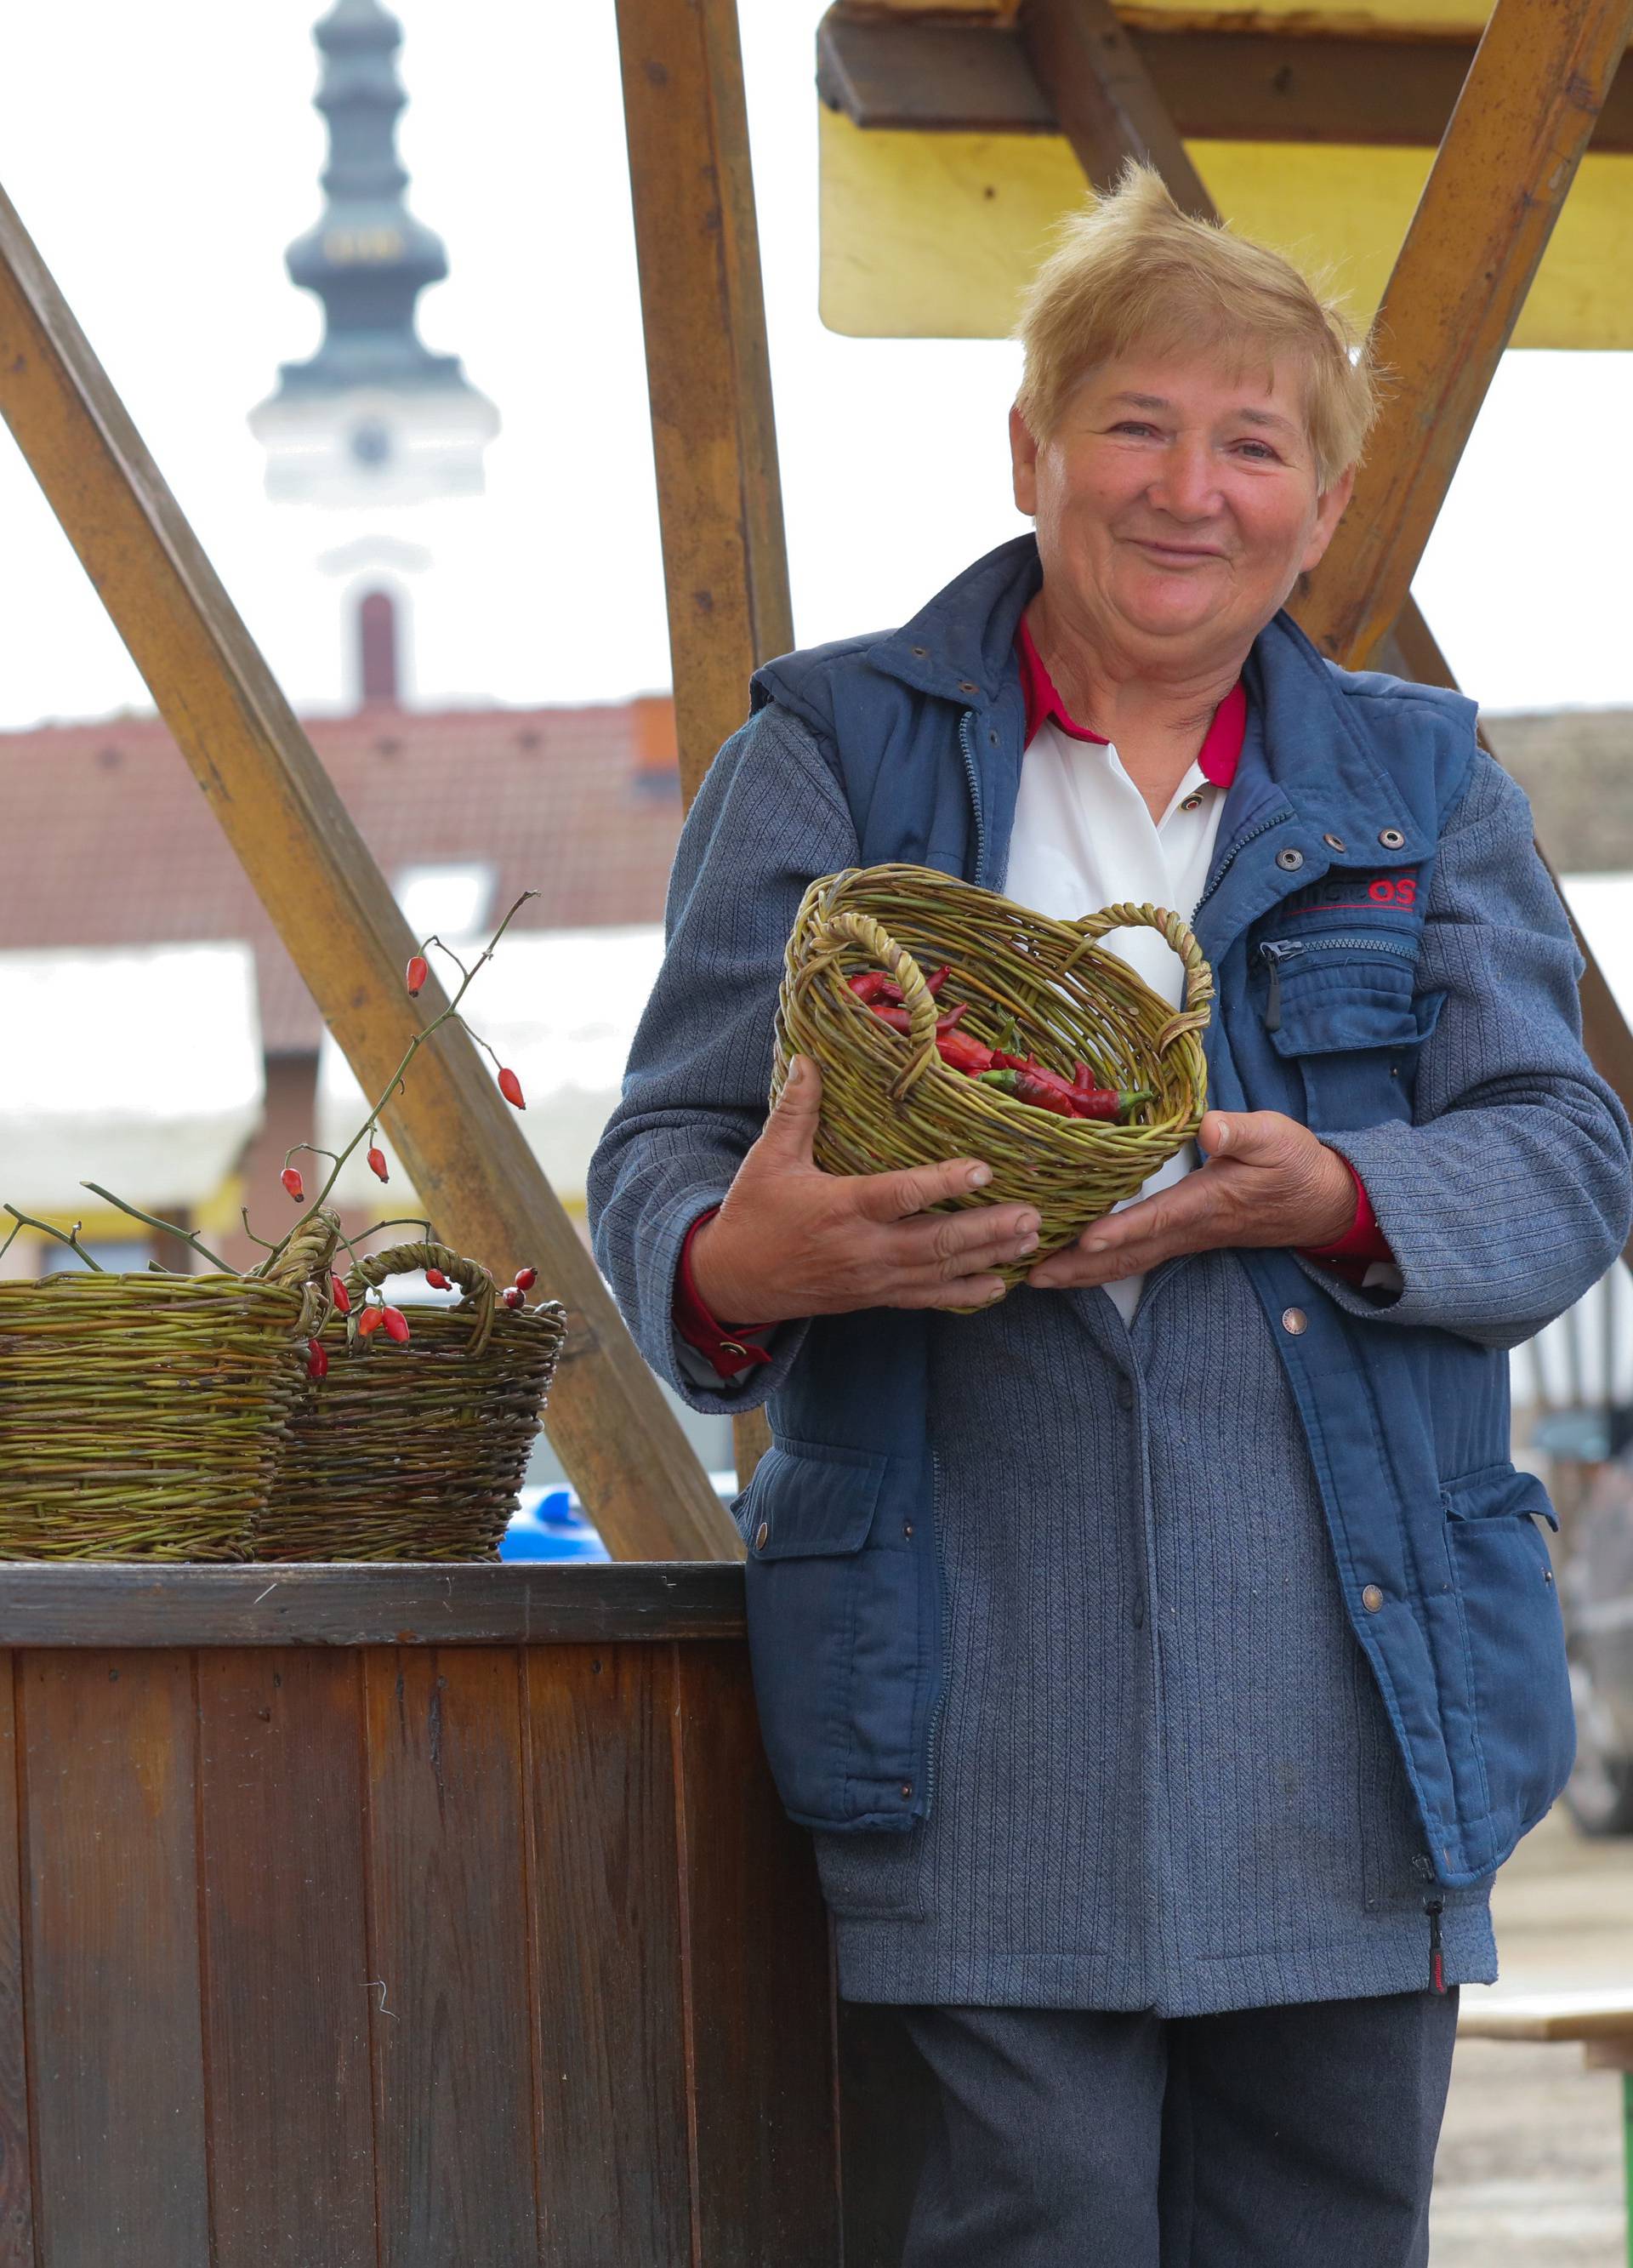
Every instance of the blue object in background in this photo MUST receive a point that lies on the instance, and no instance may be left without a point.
(548, 1523)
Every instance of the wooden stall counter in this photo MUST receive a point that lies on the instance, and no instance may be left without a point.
(423, 1917)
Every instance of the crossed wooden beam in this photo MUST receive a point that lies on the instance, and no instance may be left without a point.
(1527, 108)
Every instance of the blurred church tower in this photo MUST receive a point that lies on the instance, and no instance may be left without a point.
(373, 420)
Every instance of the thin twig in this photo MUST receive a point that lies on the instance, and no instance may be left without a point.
(10, 1240)
(27, 1221)
(449, 1014)
(182, 1235)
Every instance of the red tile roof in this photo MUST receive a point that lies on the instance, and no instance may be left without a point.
(105, 839)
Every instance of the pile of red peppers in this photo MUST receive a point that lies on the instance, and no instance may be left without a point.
(1022, 1076)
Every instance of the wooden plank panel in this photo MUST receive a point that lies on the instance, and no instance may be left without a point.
(17, 2204)
(286, 1958)
(315, 1604)
(448, 1903)
(115, 2032)
(758, 1986)
(1102, 92)
(615, 2176)
(1483, 224)
(458, 1140)
(1229, 83)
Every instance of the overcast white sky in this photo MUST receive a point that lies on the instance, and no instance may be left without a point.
(164, 156)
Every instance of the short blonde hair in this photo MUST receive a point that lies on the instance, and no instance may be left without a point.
(1131, 270)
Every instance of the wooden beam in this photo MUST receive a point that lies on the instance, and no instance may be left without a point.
(709, 376)
(458, 1140)
(1228, 82)
(1102, 92)
(1511, 152)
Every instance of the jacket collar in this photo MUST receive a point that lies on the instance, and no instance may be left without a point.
(1312, 753)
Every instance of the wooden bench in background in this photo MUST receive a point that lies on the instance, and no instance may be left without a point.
(1602, 2021)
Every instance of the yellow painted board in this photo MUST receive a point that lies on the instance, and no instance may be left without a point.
(934, 235)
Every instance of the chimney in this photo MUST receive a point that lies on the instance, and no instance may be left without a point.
(656, 755)
(376, 649)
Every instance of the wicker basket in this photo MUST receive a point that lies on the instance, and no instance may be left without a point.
(415, 1452)
(140, 1416)
(888, 1100)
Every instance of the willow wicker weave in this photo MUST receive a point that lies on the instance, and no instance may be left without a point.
(415, 1452)
(140, 1415)
(888, 1099)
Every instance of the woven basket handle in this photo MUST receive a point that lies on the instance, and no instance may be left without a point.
(304, 1266)
(831, 937)
(1197, 1011)
(403, 1259)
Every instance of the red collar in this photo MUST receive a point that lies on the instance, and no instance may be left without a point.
(1221, 750)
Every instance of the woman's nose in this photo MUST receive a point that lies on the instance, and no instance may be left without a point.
(1188, 484)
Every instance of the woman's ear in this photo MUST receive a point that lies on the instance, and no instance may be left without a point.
(1024, 462)
(1328, 511)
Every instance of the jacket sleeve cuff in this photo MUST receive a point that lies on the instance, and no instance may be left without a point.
(731, 1349)
(1363, 1244)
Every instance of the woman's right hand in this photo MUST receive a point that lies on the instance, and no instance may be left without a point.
(791, 1240)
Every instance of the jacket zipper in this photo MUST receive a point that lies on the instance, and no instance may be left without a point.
(1434, 1908)
(1280, 949)
(1234, 852)
(946, 1619)
(968, 754)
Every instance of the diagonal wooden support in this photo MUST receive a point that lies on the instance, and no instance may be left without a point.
(708, 375)
(1511, 151)
(617, 1437)
(1063, 38)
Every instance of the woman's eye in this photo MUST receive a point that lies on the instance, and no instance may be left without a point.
(1132, 425)
(1260, 451)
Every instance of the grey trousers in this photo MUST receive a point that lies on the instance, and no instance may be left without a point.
(1269, 2138)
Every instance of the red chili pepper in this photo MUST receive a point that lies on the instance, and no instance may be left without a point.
(1024, 1088)
(513, 1296)
(317, 1360)
(899, 1019)
(510, 1088)
(1111, 1102)
(370, 1321)
(525, 1279)
(376, 1162)
(873, 984)
(396, 1325)
(438, 1281)
(417, 973)
(961, 1051)
(342, 1297)
(291, 1181)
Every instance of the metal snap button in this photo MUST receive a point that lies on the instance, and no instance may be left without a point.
(1332, 842)
(1294, 1320)
(1391, 839)
(1372, 1598)
(760, 1534)
(1191, 803)
(731, 1346)
(1289, 859)
(965, 687)
(907, 1790)
(921, 650)
(907, 1527)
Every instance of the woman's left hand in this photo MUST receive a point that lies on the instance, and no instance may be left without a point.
(1268, 1180)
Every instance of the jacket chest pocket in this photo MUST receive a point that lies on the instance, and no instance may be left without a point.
(1344, 1010)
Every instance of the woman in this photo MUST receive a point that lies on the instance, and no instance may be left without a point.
(1166, 1657)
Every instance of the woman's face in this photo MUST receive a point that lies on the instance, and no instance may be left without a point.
(1176, 503)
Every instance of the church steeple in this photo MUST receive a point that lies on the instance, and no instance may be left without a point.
(373, 413)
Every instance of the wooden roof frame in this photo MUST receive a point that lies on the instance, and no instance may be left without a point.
(1532, 95)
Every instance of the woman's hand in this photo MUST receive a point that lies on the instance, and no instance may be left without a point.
(1268, 1180)
(791, 1240)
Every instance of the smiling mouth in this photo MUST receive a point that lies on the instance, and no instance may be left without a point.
(1176, 551)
